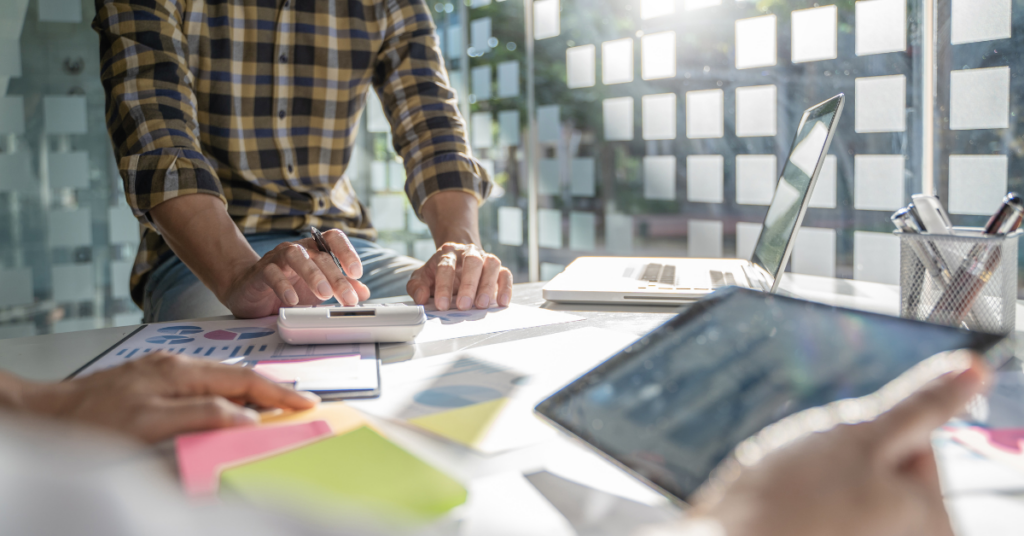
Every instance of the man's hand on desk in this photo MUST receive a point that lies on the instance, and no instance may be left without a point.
(297, 273)
(460, 274)
(876, 478)
(162, 395)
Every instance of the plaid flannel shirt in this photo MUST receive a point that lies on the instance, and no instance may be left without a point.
(258, 102)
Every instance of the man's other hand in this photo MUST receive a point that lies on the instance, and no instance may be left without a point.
(162, 395)
(463, 276)
(297, 273)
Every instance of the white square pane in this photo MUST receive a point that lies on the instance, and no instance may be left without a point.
(16, 173)
(756, 42)
(510, 226)
(755, 178)
(979, 98)
(660, 177)
(376, 120)
(618, 233)
(480, 79)
(548, 270)
(581, 66)
(877, 182)
(549, 228)
(64, 114)
(546, 21)
(396, 176)
(746, 239)
(73, 283)
(549, 127)
(414, 224)
(508, 79)
(70, 228)
(980, 20)
(120, 276)
(549, 182)
(691, 5)
(617, 61)
(581, 177)
(67, 11)
(881, 104)
(10, 57)
(705, 178)
(814, 34)
(387, 212)
(650, 9)
(815, 252)
(482, 129)
(17, 330)
(582, 231)
(824, 194)
(756, 111)
(880, 26)
(423, 249)
(453, 41)
(17, 287)
(379, 176)
(618, 118)
(876, 257)
(122, 226)
(479, 34)
(704, 239)
(659, 116)
(508, 127)
(705, 114)
(658, 55)
(12, 114)
(977, 183)
(69, 170)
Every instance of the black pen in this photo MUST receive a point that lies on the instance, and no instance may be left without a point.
(321, 244)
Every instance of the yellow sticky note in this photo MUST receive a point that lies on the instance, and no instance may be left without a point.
(360, 471)
(338, 415)
(465, 425)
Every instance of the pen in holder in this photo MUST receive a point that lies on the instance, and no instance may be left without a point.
(967, 280)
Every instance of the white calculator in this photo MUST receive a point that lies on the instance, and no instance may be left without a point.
(359, 324)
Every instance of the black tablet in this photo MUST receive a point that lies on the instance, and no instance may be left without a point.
(676, 403)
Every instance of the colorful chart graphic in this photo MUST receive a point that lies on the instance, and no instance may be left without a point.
(238, 334)
(169, 339)
(181, 330)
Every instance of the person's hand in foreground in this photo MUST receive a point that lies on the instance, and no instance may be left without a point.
(877, 478)
(460, 274)
(156, 397)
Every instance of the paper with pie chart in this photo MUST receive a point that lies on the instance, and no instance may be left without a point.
(225, 341)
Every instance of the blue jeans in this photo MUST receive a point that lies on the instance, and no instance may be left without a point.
(173, 292)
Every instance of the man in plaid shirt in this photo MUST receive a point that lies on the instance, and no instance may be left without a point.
(255, 103)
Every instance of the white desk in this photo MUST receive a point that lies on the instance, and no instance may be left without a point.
(986, 498)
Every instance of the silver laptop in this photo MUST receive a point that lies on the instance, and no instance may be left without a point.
(682, 280)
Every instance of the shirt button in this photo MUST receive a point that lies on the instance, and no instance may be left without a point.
(290, 168)
(281, 114)
(283, 58)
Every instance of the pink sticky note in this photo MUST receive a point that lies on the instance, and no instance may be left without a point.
(202, 456)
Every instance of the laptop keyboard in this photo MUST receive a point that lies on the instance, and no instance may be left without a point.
(665, 274)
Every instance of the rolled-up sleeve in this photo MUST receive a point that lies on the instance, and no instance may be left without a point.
(151, 108)
(428, 131)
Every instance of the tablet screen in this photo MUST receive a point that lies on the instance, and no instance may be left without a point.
(676, 403)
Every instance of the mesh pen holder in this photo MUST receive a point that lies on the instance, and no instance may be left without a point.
(966, 280)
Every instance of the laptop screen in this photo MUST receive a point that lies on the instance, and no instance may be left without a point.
(795, 185)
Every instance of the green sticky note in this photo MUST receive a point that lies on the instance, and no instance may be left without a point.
(358, 471)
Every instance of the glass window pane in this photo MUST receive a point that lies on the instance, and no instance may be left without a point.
(814, 34)
(746, 238)
(388, 212)
(508, 79)
(480, 78)
(880, 26)
(546, 19)
(878, 182)
(755, 179)
(550, 182)
(618, 231)
(582, 183)
(479, 34)
(756, 110)
(824, 194)
(650, 9)
(481, 127)
(69, 170)
(881, 104)
(980, 20)
(705, 114)
(582, 229)
(977, 183)
(17, 287)
(618, 119)
(510, 226)
(549, 127)
(704, 239)
(508, 127)
(70, 228)
(756, 42)
(979, 98)
(660, 177)
(658, 55)
(876, 257)
(65, 114)
(617, 61)
(815, 252)
(704, 178)
(659, 116)
(549, 226)
(580, 66)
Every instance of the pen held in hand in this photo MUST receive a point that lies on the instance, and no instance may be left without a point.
(321, 244)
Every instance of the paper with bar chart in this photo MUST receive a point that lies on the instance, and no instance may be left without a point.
(225, 341)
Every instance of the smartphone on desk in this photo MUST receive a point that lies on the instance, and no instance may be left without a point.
(346, 325)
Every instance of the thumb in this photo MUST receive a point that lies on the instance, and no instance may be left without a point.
(181, 415)
(909, 424)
